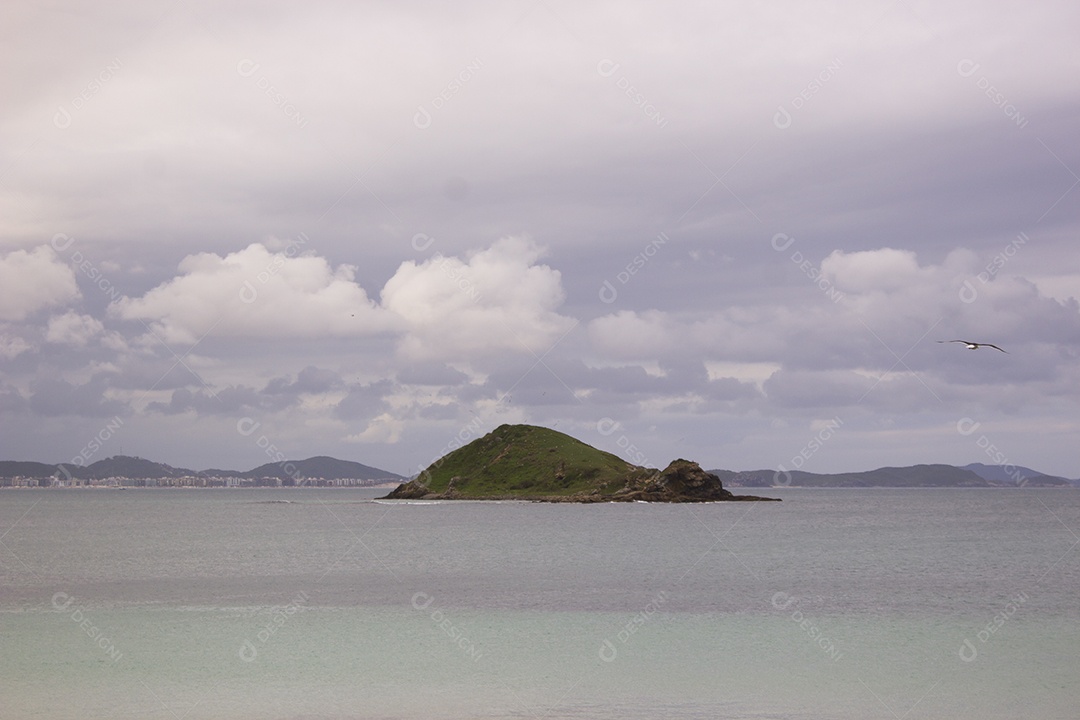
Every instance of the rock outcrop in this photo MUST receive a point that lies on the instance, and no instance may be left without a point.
(681, 481)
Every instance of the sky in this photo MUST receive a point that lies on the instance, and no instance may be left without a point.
(239, 232)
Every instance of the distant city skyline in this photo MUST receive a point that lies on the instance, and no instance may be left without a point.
(731, 233)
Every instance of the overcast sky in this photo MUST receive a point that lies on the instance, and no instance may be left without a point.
(732, 232)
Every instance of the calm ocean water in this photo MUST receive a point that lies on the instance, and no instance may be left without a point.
(313, 604)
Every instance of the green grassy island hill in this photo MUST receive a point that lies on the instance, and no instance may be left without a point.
(525, 462)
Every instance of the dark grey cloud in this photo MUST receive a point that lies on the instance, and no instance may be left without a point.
(162, 373)
(12, 401)
(230, 400)
(309, 380)
(429, 373)
(54, 397)
(363, 402)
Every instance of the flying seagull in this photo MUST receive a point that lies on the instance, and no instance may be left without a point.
(973, 345)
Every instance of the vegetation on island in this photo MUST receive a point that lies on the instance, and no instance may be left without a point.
(537, 463)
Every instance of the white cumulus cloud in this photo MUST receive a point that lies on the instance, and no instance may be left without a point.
(628, 335)
(872, 270)
(257, 293)
(71, 328)
(30, 281)
(498, 299)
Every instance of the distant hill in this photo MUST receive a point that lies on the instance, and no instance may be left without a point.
(973, 475)
(118, 466)
(132, 467)
(913, 476)
(527, 460)
(535, 463)
(1019, 475)
(323, 468)
(28, 469)
(124, 466)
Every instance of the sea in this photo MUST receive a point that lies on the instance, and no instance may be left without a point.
(329, 604)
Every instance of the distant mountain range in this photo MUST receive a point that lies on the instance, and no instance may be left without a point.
(325, 470)
(288, 472)
(973, 475)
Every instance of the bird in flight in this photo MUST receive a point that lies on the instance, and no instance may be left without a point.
(973, 345)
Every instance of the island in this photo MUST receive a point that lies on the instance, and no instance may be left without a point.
(526, 462)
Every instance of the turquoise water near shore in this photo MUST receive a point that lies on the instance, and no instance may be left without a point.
(235, 604)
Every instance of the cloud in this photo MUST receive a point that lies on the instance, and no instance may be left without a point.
(54, 397)
(872, 270)
(444, 308)
(431, 373)
(71, 328)
(813, 389)
(12, 346)
(498, 300)
(309, 380)
(31, 281)
(383, 429)
(227, 400)
(892, 311)
(748, 333)
(256, 293)
(140, 373)
(631, 335)
(11, 400)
